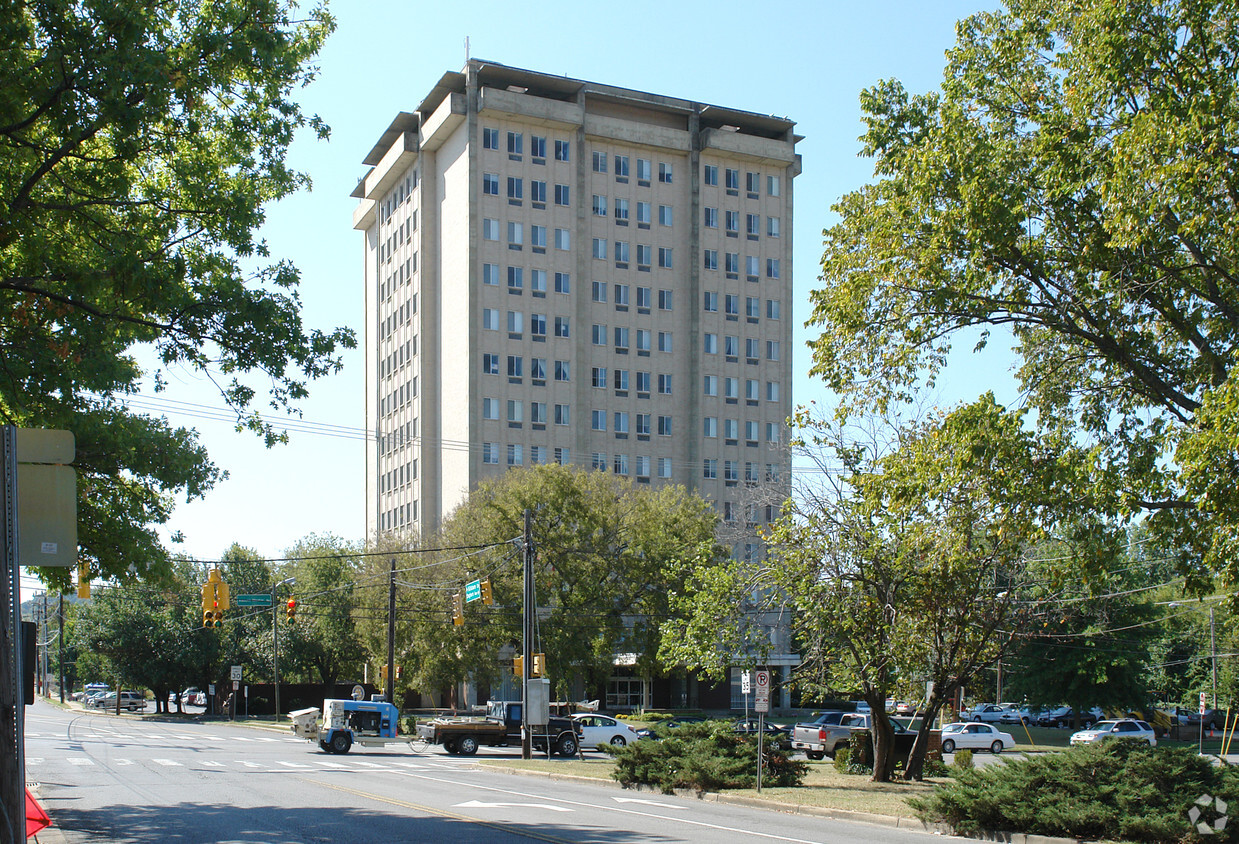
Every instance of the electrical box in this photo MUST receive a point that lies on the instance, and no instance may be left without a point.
(539, 691)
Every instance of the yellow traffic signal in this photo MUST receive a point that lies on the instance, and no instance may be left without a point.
(214, 600)
(539, 665)
(487, 597)
(292, 610)
(83, 580)
(383, 671)
(518, 666)
(458, 608)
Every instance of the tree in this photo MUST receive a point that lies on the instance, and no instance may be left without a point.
(324, 641)
(607, 556)
(1073, 184)
(901, 565)
(139, 144)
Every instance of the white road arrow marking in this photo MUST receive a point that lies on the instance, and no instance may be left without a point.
(648, 802)
(478, 804)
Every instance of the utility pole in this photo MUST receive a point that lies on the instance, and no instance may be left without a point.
(61, 662)
(527, 641)
(12, 756)
(1213, 650)
(389, 688)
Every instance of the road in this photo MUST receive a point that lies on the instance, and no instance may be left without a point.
(105, 778)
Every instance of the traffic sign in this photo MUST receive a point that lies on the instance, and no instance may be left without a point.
(746, 685)
(260, 600)
(473, 591)
(236, 672)
(763, 691)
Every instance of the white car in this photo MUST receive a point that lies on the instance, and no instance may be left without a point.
(990, 713)
(1125, 728)
(597, 730)
(974, 735)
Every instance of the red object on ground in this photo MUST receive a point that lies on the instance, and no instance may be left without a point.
(36, 819)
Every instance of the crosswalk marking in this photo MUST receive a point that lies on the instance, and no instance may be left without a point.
(329, 764)
(365, 764)
(80, 760)
(167, 763)
(291, 764)
(34, 760)
(212, 764)
(121, 762)
(247, 764)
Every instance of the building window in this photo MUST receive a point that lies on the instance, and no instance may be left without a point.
(537, 146)
(621, 210)
(600, 162)
(621, 294)
(600, 248)
(516, 188)
(752, 389)
(537, 412)
(516, 234)
(561, 326)
(516, 366)
(537, 455)
(772, 309)
(709, 343)
(733, 179)
(563, 456)
(490, 408)
(643, 382)
(516, 410)
(664, 215)
(621, 338)
(621, 380)
(710, 385)
(561, 414)
(664, 384)
(620, 422)
(600, 206)
(563, 239)
(664, 257)
(772, 350)
(731, 305)
(537, 278)
(772, 432)
(490, 138)
(599, 291)
(561, 195)
(516, 143)
(644, 297)
(772, 268)
(643, 255)
(750, 434)
(664, 426)
(490, 453)
(515, 454)
(772, 391)
(621, 464)
(752, 307)
(772, 226)
(732, 221)
(664, 172)
(598, 461)
(709, 468)
(752, 224)
(710, 175)
(710, 301)
(562, 371)
(516, 278)
(490, 184)
(711, 218)
(732, 264)
(643, 170)
(643, 213)
(643, 424)
(643, 466)
(490, 229)
(731, 470)
(490, 319)
(537, 325)
(516, 322)
(562, 151)
(621, 166)
(731, 345)
(490, 275)
(731, 388)
(490, 364)
(537, 190)
(664, 300)
(563, 283)
(664, 341)
(598, 377)
(621, 252)
(664, 467)
(751, 266)
(772, 185)
(752, 182)
(598, 420)
(537, 369)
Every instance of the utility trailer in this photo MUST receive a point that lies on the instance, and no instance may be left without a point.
(348, 722)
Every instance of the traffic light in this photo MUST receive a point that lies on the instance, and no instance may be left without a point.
(214, 600)
(291, 614)
(487, 597)
(539, 665)
(458, 608)
(383, 671)
(518, 666)
(83, 581)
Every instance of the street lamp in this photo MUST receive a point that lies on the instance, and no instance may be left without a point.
(275, 642)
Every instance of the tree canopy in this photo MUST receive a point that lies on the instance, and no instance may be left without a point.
(1073, 183)
(139, 145)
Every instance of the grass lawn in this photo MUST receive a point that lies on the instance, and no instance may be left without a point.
(824, 787)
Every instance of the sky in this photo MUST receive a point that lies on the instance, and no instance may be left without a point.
(807, 61)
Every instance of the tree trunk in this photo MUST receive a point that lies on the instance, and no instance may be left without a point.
(920, 747)
(883, 739)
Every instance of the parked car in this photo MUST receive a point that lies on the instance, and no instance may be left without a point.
(974, 735)
(131, 701)
(1127, 728)
(1213, 718)
(905, 710)
(774, 734)
(597, 730)
(990, 713)
(90, 699)
(1064, 716)
(658, 730)
(862, 706)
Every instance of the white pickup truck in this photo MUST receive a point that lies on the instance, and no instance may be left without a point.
(831, 731)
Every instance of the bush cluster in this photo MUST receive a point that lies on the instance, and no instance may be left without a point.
(705, 757)
(963, 759)
(1110, 790)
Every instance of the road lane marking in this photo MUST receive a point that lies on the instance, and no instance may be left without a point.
(247, 763)
(81, 761)
(365, 764)
(212, 764)
(647, 802)
(167, 763)
(443, 813)
(122, 762)
(478, 804)
(34, 760)
(292, 764)
(330, 764)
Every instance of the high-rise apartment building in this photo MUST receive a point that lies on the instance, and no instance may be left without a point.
(564, 271)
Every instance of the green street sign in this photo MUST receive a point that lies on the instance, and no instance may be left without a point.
(473, 591)
(260, 600)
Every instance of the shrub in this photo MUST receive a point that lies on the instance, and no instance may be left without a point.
(963, 759)
(843, 757)
(704, 757)
(1112, 790)
(934, 767)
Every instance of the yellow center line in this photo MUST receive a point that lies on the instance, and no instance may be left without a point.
(404, 804)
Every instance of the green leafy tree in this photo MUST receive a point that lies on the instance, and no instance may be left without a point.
(139, 144)
(1073, 183)
(323, 643)
(607, 554)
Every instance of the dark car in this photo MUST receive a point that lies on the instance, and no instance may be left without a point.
(656, 731)
(775, 734)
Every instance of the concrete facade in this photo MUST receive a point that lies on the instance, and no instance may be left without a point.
(563, 271)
